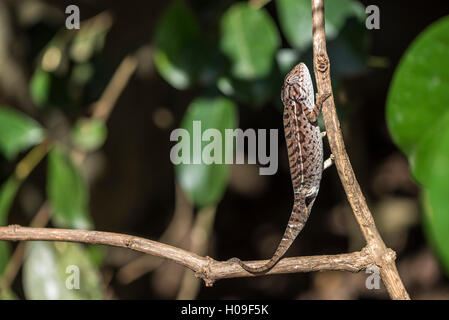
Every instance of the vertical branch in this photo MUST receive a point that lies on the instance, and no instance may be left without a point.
(382, 256)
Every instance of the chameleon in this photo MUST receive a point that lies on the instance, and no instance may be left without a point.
(305, 154)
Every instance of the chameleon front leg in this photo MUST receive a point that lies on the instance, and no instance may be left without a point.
(328, 162)
(319, 103)
(312, 114)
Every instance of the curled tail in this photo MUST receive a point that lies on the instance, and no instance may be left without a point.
(298, 218)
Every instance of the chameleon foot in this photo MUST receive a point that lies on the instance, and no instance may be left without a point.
(320, 98)
(328, 162)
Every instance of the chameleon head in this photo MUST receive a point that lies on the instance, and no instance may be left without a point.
(298, 85)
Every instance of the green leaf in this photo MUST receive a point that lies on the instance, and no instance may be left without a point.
(67, 192)
(418, 119)
(249, 38)
(430, 156)
(212, 62)
(7, 294)
(40, 87)
(296, 19)
(18, 132)
(96, 254)
(50, 268)
(418, 95)
(8, 192)
(89, 134)
(205, 183)
(176, 45)
(5, 254)
(82, 73)
(430, 167)
(436, 222)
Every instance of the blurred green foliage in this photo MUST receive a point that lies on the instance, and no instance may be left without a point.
(67, 192)
(418, 119)
(177, 54)
(296, 20)
(249, 45)
(89, 134)
(8, 192)
(206, 183)
(249, 38)
(240, 59)
(47, 272)
(40, 87)
(61, 80)
(17, 132)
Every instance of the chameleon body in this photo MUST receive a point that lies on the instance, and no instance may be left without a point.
(305, 154)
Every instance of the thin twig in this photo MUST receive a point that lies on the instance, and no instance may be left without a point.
(206, 268)
(383, 256)
(15, 262)
(23, 169)
(31, 160)
(103, 107)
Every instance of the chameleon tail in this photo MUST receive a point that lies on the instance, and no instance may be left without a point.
(297, 220)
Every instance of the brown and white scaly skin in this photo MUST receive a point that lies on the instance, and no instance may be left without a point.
(305, 154)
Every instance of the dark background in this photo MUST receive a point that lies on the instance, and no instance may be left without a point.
(133, 189)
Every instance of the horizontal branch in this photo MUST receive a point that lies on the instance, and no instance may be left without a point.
(206, 268)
